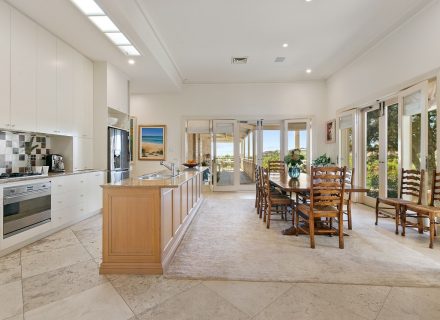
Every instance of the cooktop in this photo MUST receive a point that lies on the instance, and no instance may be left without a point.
(18, 175)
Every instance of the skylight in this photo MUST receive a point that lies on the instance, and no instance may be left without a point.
(106, 25)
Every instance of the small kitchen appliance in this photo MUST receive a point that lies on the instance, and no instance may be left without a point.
(55, 162)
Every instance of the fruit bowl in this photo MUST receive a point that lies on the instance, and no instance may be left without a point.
(190, 165)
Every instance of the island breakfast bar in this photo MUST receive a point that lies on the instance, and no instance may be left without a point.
(145, 220)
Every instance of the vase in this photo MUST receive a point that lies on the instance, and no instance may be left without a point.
(294, 172)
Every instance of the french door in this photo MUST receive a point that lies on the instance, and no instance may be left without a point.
(398, 133)
(238, 145)
(225, 149)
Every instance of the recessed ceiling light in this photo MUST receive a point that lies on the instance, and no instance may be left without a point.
(131, 61)
(309, 70)
(104, 23)
(118, 38)
(89, 7)
(308, 0)
(285, 45)
(129, 50)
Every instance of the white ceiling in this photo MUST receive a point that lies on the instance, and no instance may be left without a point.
(192, 41)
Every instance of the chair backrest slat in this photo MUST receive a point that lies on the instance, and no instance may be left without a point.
(435, 187)
(277, 167)
(327, 187)
(411, 184)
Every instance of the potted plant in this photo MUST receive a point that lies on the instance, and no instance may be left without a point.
(294, 161)
(321, 161)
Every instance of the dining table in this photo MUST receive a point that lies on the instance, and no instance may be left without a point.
(287, 184)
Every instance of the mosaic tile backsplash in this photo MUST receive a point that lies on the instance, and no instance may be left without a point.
(12, 152)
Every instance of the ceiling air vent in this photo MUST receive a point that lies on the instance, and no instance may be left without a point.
(280, 59)
(239, 60)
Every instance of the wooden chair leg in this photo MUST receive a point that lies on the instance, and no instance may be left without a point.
(349, 214)
(312, 232)
(420, 223)
(269, 212)
(296, 221)
(377, 211)
(397, 217)
(403, 221)
(341, 233)
(431, 231)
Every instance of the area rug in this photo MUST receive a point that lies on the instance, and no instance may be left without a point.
(227, 241)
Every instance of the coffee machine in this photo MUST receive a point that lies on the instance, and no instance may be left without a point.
(55, 162)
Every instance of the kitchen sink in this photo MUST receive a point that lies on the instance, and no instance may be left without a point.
(158, 176)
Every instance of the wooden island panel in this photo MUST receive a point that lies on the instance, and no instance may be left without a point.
(131, 229)
(143, 226)
(184, 201)
(167, 217)
(177, 210)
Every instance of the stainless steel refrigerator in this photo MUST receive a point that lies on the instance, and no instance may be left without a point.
(118, 155)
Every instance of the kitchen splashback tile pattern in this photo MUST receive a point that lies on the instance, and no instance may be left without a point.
(12, 151)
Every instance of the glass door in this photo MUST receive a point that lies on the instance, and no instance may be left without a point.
(372, 153)
(347, 139)
(248, 140)
(297, 136)
(271, 142)
(225, 165)
(399, 133)
(415, 128)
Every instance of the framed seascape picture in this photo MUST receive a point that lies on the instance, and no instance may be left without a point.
(330, 131)
(152, 142)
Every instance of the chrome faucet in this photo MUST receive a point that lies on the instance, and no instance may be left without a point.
(170, 166)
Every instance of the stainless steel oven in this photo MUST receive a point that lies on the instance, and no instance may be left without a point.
(25, 207)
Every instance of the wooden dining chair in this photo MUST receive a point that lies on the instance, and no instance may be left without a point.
(327, 188)
(349, 181)
(419, 211)
(273, 201)
(411, 184)
(257, 186)
(277, 167)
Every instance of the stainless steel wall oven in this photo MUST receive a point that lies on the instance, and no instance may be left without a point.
(25, 207)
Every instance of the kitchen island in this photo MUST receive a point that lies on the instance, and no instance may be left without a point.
(145, 220)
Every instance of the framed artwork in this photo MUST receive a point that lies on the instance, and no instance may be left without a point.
(152, 142)
(330, 131)
(132, 138)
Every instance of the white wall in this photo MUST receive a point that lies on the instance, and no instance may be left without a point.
(229, 101)
(408, 55)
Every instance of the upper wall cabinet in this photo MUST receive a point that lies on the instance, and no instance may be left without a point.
(5, 64)
(65, 88)
(23, 72)
(83, 97)
(117, 90)
(46, 81)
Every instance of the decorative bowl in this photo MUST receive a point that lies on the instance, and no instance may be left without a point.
(190, 165)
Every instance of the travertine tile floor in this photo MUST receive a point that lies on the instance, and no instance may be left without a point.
(57, 278)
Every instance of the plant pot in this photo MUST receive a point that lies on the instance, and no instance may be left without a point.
(294, 172)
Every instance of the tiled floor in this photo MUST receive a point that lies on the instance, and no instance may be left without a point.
(57, 278)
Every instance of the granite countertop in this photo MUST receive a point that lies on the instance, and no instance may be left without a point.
(50, 175)
(173, 182)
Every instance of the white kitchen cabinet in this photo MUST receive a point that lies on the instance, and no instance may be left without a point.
(117, 90)
(23, 72)
(94, 197)
(82, 153)
(5, 64)
(65, 89)
(83, 97)
(76, 197)
(46, 81)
